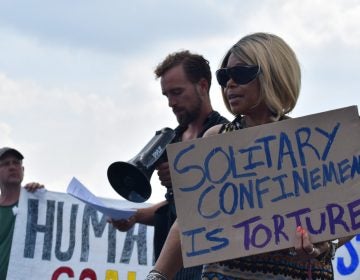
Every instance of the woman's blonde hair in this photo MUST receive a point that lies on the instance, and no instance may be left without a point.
(280, 76)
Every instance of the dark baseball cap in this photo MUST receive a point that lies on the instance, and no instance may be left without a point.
(6, 150)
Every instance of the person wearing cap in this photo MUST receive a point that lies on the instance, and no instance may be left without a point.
(11, 177)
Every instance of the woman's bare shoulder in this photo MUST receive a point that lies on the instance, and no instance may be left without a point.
(214, 130)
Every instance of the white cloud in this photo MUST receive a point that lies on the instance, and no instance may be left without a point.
(111, 26)
(310, 23)
(5, 134)
(77, 134)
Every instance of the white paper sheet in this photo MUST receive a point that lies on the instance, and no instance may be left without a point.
(79, 191)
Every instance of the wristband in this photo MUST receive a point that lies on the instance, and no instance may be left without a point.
(334, 245)
(155, 275)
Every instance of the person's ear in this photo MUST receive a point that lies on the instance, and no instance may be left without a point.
(203, 87)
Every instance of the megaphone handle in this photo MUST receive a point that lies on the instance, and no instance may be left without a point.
(169, 193)
(161, 160)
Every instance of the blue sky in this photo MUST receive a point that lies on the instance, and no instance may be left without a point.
(77, 89)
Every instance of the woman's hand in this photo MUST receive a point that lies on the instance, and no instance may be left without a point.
(304, 248)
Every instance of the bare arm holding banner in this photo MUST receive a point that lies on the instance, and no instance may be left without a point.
(11, 177)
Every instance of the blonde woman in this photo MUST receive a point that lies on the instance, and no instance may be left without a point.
(260, 82)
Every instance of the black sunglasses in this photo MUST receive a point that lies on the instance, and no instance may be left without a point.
(241, 74)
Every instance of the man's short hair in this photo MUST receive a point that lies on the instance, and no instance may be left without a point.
(196, 67)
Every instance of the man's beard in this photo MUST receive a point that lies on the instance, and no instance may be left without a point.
(13, 181)
(190, 115)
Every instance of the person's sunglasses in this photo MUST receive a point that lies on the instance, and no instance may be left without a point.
(241, 74)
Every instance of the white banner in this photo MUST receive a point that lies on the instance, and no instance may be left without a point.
(58, 237)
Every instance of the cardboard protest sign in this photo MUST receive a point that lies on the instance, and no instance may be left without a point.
(245, 192)
(59, 237)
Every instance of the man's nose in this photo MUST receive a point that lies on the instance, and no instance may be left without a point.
(172, 101)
